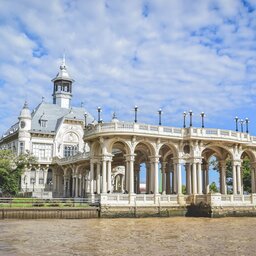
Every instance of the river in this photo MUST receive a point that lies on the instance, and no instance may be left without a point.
(145, 236)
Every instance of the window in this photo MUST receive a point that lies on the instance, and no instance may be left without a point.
(41, 176)
(70, 150)
(42, 151)
(21, 147)
(32, 176)
(43, 123)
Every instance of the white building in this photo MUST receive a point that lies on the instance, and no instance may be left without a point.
(50, 130)
(88, 159)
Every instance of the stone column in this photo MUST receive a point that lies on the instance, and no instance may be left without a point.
(109, 176)
(152, 175)
(104, 167)
(207, 179)
(194, 183)
(174, 179)
(168, 180)
(138, 181)
(127, 176)
(234, 180)
(188, 178)
(87, 187)
(223, 185)
(239, 182)
(156, 178)
(91, 176)
(130, 158)
(199, 178)
(80, 186)
(73, 185)
(76, 193)
(253, 178)
(65, 186)
(147, 177)
(179, 178)
(98, 178)
(164, 178)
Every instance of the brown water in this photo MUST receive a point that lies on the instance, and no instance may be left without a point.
(148, 236)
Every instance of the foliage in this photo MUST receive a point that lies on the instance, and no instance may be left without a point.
(213, 187)
(245, 169)
(11, 169)
(184, 190)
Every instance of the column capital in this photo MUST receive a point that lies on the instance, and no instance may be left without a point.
(222, 163)
(154, 159)
(130, 157)
(177, 160)
(236, 162)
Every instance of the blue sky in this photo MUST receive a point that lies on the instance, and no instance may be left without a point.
(174, 55)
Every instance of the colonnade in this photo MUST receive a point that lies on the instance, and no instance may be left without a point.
(97, 177)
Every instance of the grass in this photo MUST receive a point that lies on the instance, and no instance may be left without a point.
(40, 203)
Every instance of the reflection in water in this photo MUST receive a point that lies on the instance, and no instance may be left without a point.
(148, 236)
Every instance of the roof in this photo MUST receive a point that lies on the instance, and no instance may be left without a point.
(54, 115)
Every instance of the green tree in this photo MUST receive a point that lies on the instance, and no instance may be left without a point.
(11, 169)
(213, 187)
(246, 173)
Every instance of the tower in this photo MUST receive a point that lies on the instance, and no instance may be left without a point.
(24, 129)
(62, 87)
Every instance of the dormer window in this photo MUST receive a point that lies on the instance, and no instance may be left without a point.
(43, 123)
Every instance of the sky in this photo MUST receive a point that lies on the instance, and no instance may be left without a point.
(175, 55)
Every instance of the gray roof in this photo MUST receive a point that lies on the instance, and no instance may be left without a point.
(54, 115)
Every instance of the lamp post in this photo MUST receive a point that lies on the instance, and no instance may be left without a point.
(33, 182)
(202, 116)
(135, 113)
(99, 110)
(236, 120)
(85, 120)
(184, 119)
(190, 115)
(160, 116)
(242, 125)
(247, 124)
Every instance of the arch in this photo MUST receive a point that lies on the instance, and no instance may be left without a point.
(216, 178)
(251, 155)
(95, 149)
(172, 149)
(120, 143)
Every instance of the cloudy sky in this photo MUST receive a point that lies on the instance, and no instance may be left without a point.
(174, 55)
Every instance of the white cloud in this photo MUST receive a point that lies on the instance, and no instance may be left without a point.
(177, 55)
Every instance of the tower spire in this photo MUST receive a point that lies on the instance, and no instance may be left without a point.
(62, 88)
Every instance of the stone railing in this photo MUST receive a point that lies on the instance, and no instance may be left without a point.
(70, 159)
(125, 127)
(139, 199)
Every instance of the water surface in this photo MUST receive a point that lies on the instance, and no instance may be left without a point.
(147, 236)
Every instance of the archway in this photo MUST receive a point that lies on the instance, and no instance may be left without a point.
(215, 170)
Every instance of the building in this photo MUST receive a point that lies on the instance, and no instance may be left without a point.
(79, 157)
(50, 130)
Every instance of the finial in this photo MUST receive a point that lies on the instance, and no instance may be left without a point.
(25, 104)
(42, 98)
(63, 64)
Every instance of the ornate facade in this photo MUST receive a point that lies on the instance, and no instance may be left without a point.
(79, 157)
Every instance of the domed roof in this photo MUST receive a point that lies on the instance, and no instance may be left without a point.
(25, 112)
(63, 73)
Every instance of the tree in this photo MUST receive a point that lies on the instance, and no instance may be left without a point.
(11, 169)
(213, 187)
(246, 173)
